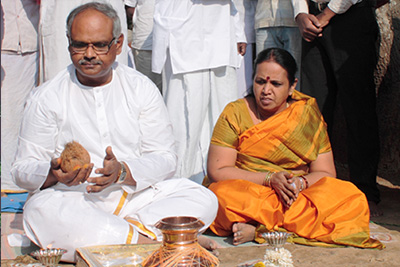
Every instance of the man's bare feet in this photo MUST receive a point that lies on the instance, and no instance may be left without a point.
(242, 233)
(209, 244)
(374, 210)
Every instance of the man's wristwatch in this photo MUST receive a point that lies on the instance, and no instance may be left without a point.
(122, 174)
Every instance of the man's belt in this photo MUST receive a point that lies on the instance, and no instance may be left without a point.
(320, 6)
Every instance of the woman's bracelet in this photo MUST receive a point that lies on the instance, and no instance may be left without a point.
(305, 179)
(301, 183)
(267, 179)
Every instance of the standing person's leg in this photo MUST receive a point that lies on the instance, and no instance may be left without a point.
(187, 98)
(355, 61)
(292, 43)
(316, 78)
(19, 77)
(267, 38)
(223, 90)
(223, 84)
(143, 64)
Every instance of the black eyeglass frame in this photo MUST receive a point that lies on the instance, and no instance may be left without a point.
(95, 47)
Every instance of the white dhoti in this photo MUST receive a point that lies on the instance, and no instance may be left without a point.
(194, 101)
(72, 219)
(18, 78)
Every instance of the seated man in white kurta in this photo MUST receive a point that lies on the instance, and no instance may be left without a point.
(119, 116)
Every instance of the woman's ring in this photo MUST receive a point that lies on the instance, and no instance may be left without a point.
(294, 185)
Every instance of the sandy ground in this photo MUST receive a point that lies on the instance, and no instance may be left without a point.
(316, 256)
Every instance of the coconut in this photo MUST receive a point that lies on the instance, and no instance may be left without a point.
(74, 157)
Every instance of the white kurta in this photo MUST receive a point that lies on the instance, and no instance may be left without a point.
(127, 114)
(19, 66)
(195, 45)
(199, 34)
(53, 41)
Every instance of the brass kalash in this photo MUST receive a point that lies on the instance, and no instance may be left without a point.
(180, 247)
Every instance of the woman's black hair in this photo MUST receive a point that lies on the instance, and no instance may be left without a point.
(280, 56)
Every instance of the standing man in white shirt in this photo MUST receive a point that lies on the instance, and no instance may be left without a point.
(142, 12)
(338, 63)
(19, 71)
(196, 44)
(118, 115)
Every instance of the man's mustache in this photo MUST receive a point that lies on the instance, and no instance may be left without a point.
(90, 62)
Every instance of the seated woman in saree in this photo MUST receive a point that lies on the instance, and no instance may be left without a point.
(271, 166)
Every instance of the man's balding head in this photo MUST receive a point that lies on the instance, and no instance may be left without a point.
(105, 9)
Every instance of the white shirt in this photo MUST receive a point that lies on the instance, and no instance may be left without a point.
(247, 10)
(337, 6)
(341, 6)
(200, 34)
(274, 13)
(127, 114)
(299, 6)
(20, 29)
(142, 23)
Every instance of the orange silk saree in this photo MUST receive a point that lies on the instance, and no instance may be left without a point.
(331, 212)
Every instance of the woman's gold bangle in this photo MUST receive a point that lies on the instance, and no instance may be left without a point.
(267, 179)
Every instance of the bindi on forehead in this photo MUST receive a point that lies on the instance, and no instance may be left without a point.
(267, 78)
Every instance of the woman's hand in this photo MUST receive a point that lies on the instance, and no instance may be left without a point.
(281, 182)
(297, 183)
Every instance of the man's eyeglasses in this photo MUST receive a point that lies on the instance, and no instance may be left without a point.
(100, 48)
